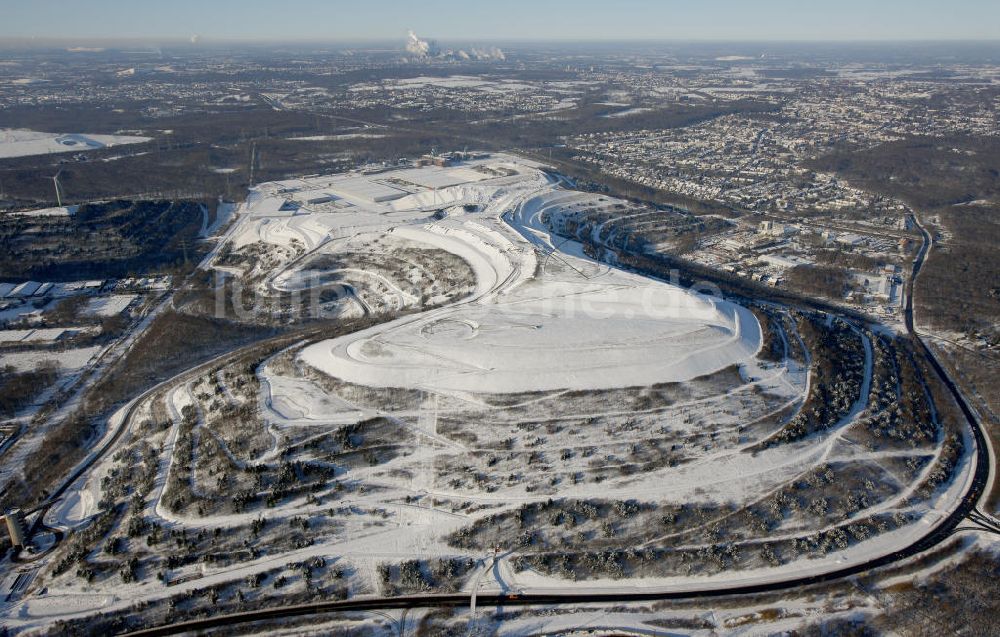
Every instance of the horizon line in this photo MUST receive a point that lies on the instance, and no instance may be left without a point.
(209, 39)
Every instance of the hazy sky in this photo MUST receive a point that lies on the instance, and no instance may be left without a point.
(504, 19)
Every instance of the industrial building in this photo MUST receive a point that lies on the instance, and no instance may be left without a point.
(16, 528)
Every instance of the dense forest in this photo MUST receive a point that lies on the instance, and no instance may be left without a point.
(102, 240)
(953, 184)
(20, 389)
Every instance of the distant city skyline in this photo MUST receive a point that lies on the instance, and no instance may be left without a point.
(340, 20)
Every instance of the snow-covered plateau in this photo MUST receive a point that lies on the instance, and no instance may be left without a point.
(513, 415)
(24, 143)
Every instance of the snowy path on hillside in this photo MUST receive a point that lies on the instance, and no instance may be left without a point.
(583, 326)
(514, 362)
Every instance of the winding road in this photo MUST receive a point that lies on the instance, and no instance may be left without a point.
(968, 508)
(944, 529)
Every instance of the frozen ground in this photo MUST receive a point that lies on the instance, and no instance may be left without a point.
(112, 305)
(40, 335)
(541, 322)
(336, 138)
(68, 360)
(555, 406)
(61, 211)
(23, 143)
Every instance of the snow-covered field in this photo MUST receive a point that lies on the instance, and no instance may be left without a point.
(61, 211)
(529, 397)
(111, 305)
(336, 138)
(23, 143)
(68, 360)
(40, 335)
(537, 324)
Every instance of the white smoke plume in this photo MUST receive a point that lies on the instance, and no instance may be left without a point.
(428, 49)
(420, 48)
(492, 53)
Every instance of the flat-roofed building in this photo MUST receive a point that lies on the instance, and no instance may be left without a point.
(365, 189)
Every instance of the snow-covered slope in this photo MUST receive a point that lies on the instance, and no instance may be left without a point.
(544, 316)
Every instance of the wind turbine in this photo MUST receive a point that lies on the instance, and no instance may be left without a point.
(253, 159)
(55, 182)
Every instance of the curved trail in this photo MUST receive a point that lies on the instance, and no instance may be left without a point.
(582, 326)
(941, 532)
(936, 535)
